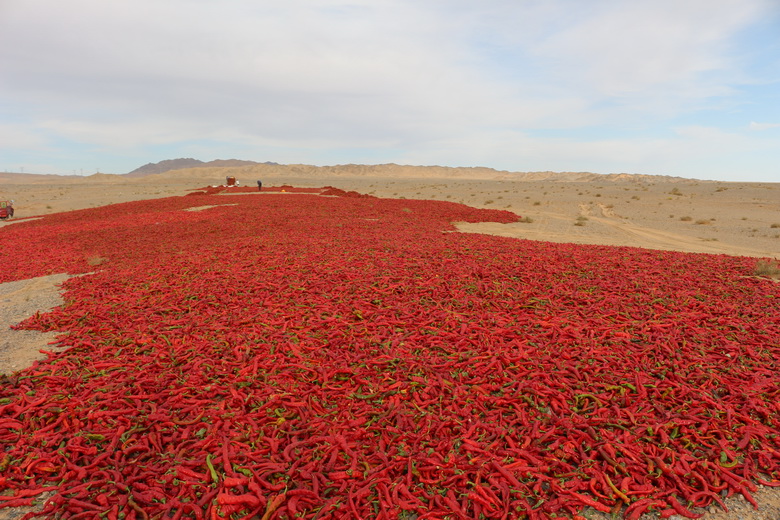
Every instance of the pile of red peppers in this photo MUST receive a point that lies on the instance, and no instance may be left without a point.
(302, 356)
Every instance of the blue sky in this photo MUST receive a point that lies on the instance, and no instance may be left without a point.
(688, 88)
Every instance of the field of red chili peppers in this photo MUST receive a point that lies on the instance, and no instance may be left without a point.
(298, 356)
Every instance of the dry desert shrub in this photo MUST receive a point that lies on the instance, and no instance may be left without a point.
(775, 226)
(96, 260)
(769, 268)
(702, 222)
(526, 220)
(686, 219)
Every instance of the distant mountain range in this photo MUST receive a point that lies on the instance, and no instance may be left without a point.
(180, 164)
(252, 169)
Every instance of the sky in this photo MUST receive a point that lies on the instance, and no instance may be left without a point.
(687, 88)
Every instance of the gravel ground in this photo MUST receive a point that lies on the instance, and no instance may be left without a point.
(18, 301)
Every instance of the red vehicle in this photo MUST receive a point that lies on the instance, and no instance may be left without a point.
(6, 209)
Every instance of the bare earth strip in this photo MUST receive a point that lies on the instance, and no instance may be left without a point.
(18, 301)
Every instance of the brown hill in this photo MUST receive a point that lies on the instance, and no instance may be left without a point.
(248, 171)
(304, 171)
(179, 164)
(33, 178)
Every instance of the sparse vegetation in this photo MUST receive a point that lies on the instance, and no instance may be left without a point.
(96, 260)
(701, 222)
(526, 220)
(770, 268)
(775, 226)
(686, 219)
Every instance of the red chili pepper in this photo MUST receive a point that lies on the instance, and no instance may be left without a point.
(273, 505)
(347, 352)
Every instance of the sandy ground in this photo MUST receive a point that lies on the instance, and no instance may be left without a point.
(692, 216)
(668, 214)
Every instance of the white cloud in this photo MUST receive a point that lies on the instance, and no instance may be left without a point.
(664, 48)
(762, 126)
(20, 136)
(431, 81)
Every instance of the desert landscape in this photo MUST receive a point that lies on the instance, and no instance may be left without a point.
(652, 212)
(633, 210)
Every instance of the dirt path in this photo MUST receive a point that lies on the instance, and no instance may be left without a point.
(18, 301)
(658, 239)
(605, 227)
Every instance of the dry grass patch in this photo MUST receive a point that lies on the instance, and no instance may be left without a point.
(96, 260)
(767, 268)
